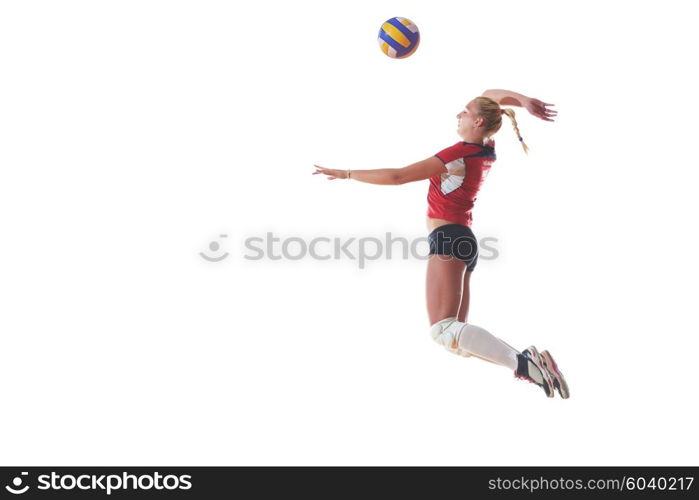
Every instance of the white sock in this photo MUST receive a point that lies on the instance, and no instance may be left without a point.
(461, 338)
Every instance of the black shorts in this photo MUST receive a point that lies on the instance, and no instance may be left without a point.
(457, 240)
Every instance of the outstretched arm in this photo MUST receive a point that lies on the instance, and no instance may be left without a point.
(534, 106)
(389, 176)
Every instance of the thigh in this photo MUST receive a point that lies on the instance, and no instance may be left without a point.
(465, 297)
(444, 286)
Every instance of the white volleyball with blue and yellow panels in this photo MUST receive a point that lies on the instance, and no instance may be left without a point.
(399, 37)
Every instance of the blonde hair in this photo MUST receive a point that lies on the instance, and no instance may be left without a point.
(491, 112)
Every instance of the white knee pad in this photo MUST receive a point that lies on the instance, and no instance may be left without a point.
(445, 332)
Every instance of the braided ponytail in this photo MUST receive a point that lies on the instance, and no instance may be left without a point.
(491, 112)
(511, 114)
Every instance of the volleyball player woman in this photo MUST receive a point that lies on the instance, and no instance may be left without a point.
(456, 174)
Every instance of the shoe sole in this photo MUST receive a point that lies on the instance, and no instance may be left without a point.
(559, 382)
(539, 362)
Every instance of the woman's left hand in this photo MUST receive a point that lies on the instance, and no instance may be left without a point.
(331, 173)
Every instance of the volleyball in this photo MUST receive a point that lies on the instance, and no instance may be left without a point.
(399, 37)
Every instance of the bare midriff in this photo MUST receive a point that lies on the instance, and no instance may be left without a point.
(433, 224)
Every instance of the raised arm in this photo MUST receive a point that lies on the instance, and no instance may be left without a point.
(389, 176)
(534, 106)
(506, 97)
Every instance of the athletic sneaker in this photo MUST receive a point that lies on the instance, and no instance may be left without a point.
(559, 382)
(522, 372)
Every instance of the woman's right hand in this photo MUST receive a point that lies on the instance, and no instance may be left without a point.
(538, 108)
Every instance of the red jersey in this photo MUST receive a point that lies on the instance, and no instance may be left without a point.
(452, 194)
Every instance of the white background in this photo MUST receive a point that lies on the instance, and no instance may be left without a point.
(134, 133)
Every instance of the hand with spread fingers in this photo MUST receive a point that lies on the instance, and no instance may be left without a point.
(538, 108)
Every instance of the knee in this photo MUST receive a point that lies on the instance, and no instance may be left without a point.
(445, 332)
